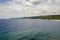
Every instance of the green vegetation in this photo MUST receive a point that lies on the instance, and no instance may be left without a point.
(44, 17)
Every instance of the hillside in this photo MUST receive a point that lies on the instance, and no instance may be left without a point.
(44, 17)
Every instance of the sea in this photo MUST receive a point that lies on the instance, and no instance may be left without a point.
(29, 29)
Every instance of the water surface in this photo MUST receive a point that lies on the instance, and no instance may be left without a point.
(29, 29)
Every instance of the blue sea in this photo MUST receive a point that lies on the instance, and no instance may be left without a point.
(29, 29)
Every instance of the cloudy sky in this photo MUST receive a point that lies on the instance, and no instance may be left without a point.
(25, 8)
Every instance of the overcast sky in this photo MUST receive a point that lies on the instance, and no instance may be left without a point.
(25, 8)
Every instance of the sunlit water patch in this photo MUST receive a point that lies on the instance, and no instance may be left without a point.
(29, 29)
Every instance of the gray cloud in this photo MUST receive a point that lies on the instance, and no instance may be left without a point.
(22, 8)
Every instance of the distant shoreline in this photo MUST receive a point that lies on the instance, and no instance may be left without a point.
(46, 17)
(49, 17)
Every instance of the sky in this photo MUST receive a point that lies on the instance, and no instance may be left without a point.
(26, 8)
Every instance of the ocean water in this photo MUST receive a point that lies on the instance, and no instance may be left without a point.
(29, 29)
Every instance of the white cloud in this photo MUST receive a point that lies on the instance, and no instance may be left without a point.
(21, 8)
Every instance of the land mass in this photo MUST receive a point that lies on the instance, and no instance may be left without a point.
(44, 17)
